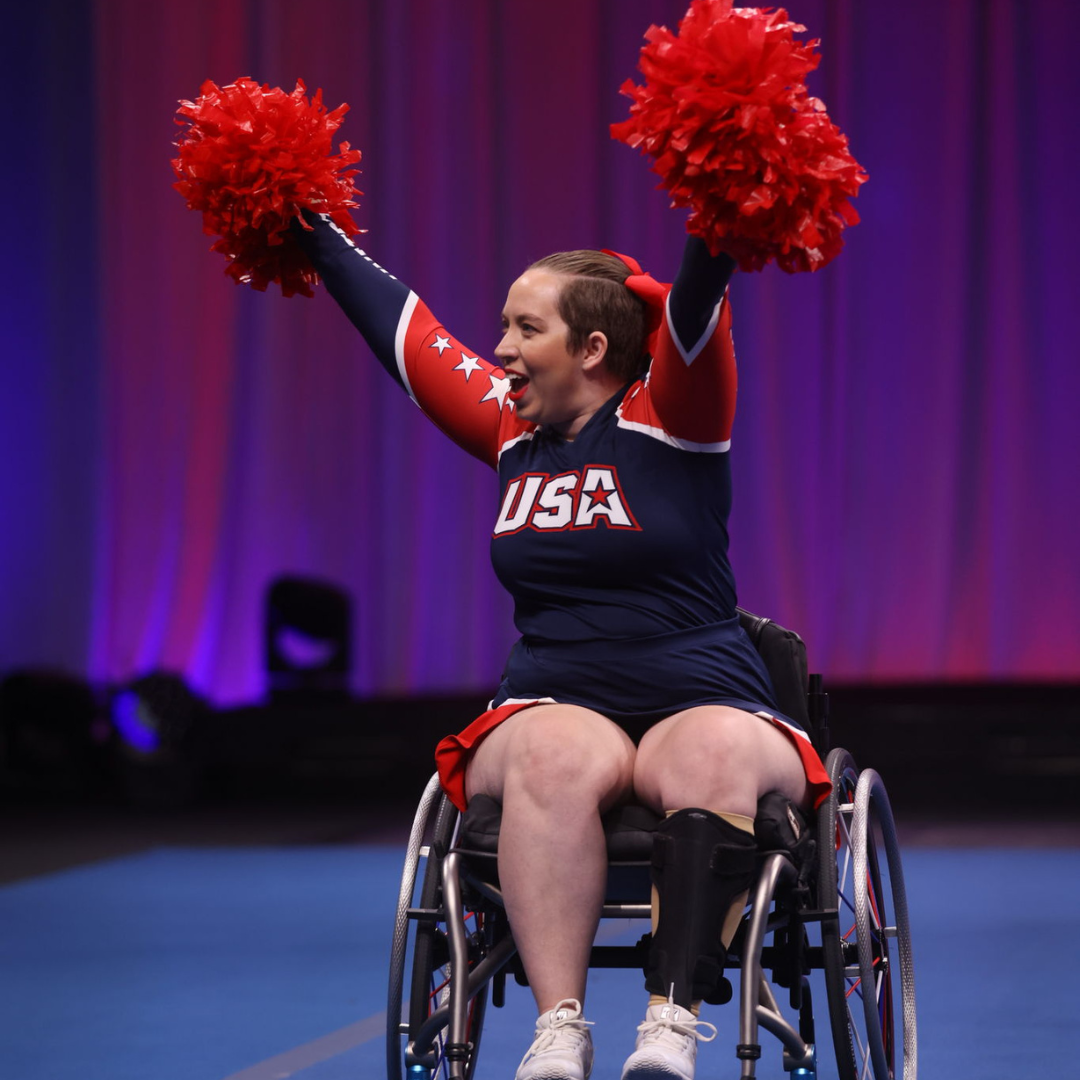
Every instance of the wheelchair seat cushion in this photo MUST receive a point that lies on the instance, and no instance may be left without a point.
(628, 829)
(779, 825)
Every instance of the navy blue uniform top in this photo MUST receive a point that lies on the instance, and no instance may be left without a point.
(613, 545)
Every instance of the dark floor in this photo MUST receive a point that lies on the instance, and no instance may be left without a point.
(970, 766)
(41, 839)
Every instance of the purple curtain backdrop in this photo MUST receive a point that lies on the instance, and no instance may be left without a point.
(906, 449)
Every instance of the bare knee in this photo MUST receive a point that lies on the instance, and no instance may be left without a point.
(560, 760)
(702, 761)
(717, 758)
(564, 756)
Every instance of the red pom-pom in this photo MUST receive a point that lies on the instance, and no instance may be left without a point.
(251, 160)
(736, 137)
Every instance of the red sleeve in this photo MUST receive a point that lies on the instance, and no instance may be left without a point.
(462, 393)
(688, 397)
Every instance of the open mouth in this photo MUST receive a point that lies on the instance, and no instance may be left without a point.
(518, 383)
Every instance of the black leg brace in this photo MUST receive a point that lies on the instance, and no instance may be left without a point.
(700, 865)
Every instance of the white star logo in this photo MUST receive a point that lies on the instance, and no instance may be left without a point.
(441, 343)
(468, 365)
(499, 389)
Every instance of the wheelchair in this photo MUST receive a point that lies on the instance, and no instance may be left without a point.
(833, 902)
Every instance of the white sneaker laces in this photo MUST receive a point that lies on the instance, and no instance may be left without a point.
(688, 1027)
(560, 1028)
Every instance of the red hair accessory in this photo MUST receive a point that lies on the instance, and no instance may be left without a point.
(647, 288)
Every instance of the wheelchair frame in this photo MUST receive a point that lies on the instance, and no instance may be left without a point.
(848, 890)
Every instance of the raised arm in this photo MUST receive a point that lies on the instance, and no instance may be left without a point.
(462, 393)
(698, 290)
(689, 395)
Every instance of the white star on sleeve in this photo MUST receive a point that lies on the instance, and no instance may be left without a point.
(499, 389)
(468, 365)
(441, 343)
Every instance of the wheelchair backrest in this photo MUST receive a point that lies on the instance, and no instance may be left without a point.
(784, 653)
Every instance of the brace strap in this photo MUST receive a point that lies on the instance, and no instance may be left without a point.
(701, 864)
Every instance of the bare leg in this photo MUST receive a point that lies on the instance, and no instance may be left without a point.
(555, 769)
(716, 758)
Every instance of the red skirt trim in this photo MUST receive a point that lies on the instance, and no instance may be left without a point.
(816, 776)
(453, 753)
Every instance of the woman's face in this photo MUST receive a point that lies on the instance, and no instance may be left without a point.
(548, 383)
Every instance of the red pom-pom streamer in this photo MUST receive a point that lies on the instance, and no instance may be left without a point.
(250, 161)
(737, 138)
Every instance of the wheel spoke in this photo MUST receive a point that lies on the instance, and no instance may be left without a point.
(872, 897)
(845, 866)
(861, 1049)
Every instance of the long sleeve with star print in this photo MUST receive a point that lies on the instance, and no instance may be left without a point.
(688, 399)
(465, 395)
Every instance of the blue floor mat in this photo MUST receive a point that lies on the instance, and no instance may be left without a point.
(266, 963)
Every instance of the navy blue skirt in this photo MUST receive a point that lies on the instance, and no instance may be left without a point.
(637, 682)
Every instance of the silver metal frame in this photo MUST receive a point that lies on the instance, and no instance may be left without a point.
(399, 943)
(758, 1007)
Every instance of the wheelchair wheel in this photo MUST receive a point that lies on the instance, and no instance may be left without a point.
(430, 962)
(396, 1021)
(867, 955)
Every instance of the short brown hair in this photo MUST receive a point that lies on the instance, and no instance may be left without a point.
(595, 297)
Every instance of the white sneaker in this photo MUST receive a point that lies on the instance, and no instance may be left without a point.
(562, 1049)
(666, 1044)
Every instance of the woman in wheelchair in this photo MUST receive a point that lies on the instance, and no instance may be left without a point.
(608, 418)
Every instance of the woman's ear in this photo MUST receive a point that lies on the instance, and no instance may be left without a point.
(595, 350)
